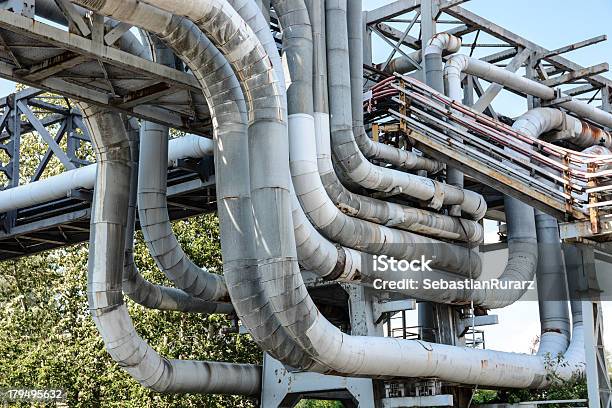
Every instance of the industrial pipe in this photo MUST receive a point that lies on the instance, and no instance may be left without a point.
(104, 289)
(343, 142)
(458, 64)
(319, 345)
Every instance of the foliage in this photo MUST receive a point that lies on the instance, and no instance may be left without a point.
(575, 388)
(484, 397)
(48, 339)
(319, 404)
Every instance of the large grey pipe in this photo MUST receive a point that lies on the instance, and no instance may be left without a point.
(200, 376)
(295, 309)
(155, 222)
(135, 286)
(325, 215)
(364, 207)
(403, 159)
(552, 287)
(458, 64)
(434, 68)
(104, 289)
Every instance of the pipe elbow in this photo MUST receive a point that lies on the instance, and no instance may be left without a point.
(442, 42)
(456, 64)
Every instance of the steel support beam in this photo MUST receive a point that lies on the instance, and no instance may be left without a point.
(391, 10)
(573, 47)
(503, 34)
(74, 49)
(578, 74)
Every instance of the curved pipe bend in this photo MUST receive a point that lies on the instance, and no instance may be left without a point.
(135, 286)
(173, 375)
(108, 234)
(357, 167)
(330, 349)
(155, 222)
(402, 159)
(442, 43)
(459, 63)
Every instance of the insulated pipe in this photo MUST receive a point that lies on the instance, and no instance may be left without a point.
(257, 15)
(459, 63)
(552, 282)
(288, 295)
(403, 159)
(231, 378)
(219, 83)
(552, 288)
(297, 42)
(447, 43)
(316, 12)
(403, 65)
(345, 148)
(155, 222)
(354, 23)
(560, 126)
(60, 186)
(387, 213)
(363, 207)
(136, 287)
(434, 67)
(326, 217)
(104, 289)
(355, 233)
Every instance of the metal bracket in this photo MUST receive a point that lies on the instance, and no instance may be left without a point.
(464, 325)
(559, 99)
(382, 307)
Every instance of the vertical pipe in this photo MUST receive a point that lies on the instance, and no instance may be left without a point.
(552, 287)
(354, 17)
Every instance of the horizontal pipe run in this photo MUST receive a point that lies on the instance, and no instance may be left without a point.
(61, 185)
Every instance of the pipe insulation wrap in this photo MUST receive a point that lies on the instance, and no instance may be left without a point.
(403, 159)
(440, 43)
(135, 286)
(345, 148)
(354, 233)
(316, 343)
(459, 63)
(155, 221)
(104, 288)
(387, 213)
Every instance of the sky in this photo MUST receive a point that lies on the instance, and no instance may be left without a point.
(552, 24)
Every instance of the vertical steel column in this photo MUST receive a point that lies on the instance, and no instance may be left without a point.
(606, 103)
(428, 30)
(14, 128)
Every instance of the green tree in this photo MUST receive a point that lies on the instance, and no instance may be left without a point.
(48, 339)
